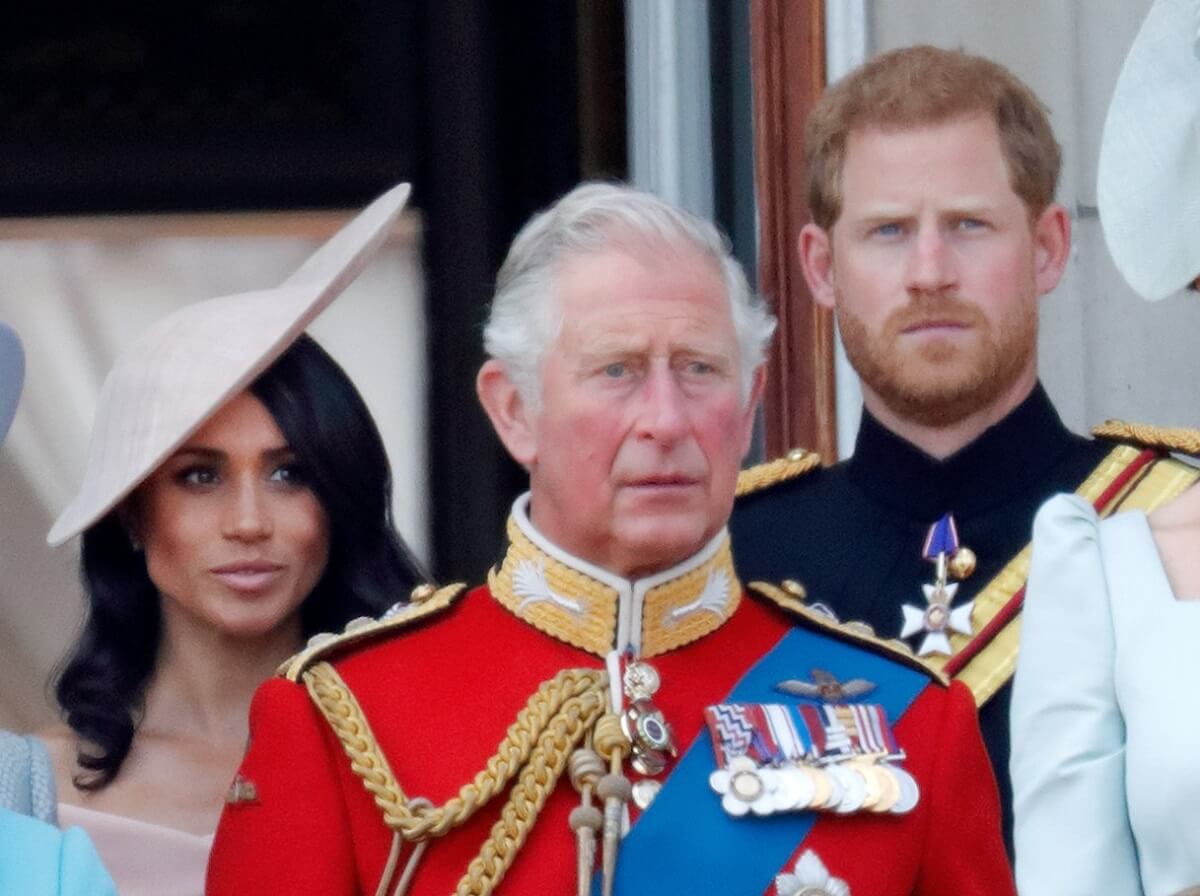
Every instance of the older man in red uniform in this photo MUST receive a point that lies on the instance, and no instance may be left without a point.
(611, 712)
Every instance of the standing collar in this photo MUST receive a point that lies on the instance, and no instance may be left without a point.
(597, 611)
(1006, 459)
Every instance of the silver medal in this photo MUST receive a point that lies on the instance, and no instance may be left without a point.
(910, 792)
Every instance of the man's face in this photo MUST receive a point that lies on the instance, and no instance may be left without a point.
(934, 268)
(634, 451)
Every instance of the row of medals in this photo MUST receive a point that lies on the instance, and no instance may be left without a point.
(856, 784)
(652, 745)
(861, 783)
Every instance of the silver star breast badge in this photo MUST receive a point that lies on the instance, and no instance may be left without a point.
(938, 619)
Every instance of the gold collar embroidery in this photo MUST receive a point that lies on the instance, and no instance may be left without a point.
(592, 609)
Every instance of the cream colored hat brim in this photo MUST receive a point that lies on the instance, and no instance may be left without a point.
(171, 380)
(1148, 188)
(12, 376)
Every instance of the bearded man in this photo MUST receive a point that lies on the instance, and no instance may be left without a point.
(935, 233)
(612, 710)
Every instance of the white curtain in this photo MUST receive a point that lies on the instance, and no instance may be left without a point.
(77, 292)
(1103, 352)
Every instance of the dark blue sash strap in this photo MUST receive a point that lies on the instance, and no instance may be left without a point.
(686, 844)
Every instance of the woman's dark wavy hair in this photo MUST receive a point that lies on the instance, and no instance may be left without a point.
(340, 451)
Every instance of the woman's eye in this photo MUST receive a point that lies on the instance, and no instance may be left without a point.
(198, 476)
(290, 473)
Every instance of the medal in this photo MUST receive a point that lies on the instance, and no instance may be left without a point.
(889, 788)
(872, 787)
(910, 793)
(854, 788)
(793, 789)
(745, 787)
(938, 619)
(644, 792)
(652, 744)
(827, 793)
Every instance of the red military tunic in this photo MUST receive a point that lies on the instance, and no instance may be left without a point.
(440, 690)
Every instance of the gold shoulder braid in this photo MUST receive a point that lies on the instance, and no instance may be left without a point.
(425, 601)
(795, 463)
(1176, 438)
(789, 596)
(535, 751)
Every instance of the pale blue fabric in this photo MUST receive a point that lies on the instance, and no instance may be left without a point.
(1105, 765)
(39, 860)
(26, 778)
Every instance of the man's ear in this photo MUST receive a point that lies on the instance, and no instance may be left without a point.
(1051, 247)
(816, 259)
(510, 414)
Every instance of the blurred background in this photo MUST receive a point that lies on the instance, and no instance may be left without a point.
(155, 155)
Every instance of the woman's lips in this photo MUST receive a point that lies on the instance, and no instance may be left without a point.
(248, 577)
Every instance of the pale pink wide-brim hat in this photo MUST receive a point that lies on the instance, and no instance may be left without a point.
(1148, 185)
(171, 380)
(12, 376)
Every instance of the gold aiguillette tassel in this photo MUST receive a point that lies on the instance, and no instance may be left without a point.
(615, 789)
(585, 768)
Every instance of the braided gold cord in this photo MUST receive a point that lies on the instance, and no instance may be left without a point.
(534, 785)
(1185, 441)
(795, 463)
(345, 716)
(559, 696)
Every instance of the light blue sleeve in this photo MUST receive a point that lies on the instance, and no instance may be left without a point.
(26, 777)
(37, 859)
(80, 871)
(1072, 833)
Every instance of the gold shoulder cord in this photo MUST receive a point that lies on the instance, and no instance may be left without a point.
(1185, 441)
(535, 751)
(425, 601)
(795, 463)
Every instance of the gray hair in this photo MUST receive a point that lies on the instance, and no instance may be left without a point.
(523, 322)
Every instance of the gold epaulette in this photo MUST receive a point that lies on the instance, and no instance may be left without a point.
(1168, 438)
(425, 601)
(795, 463)
(789, 596)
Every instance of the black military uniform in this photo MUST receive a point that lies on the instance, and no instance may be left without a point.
(852, 534)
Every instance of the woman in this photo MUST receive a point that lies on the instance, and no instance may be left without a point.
(236, 501)
(1105, 772)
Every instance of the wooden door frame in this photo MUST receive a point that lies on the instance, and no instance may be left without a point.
(787, 46)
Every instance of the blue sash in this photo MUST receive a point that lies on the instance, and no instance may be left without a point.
(686, 844)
